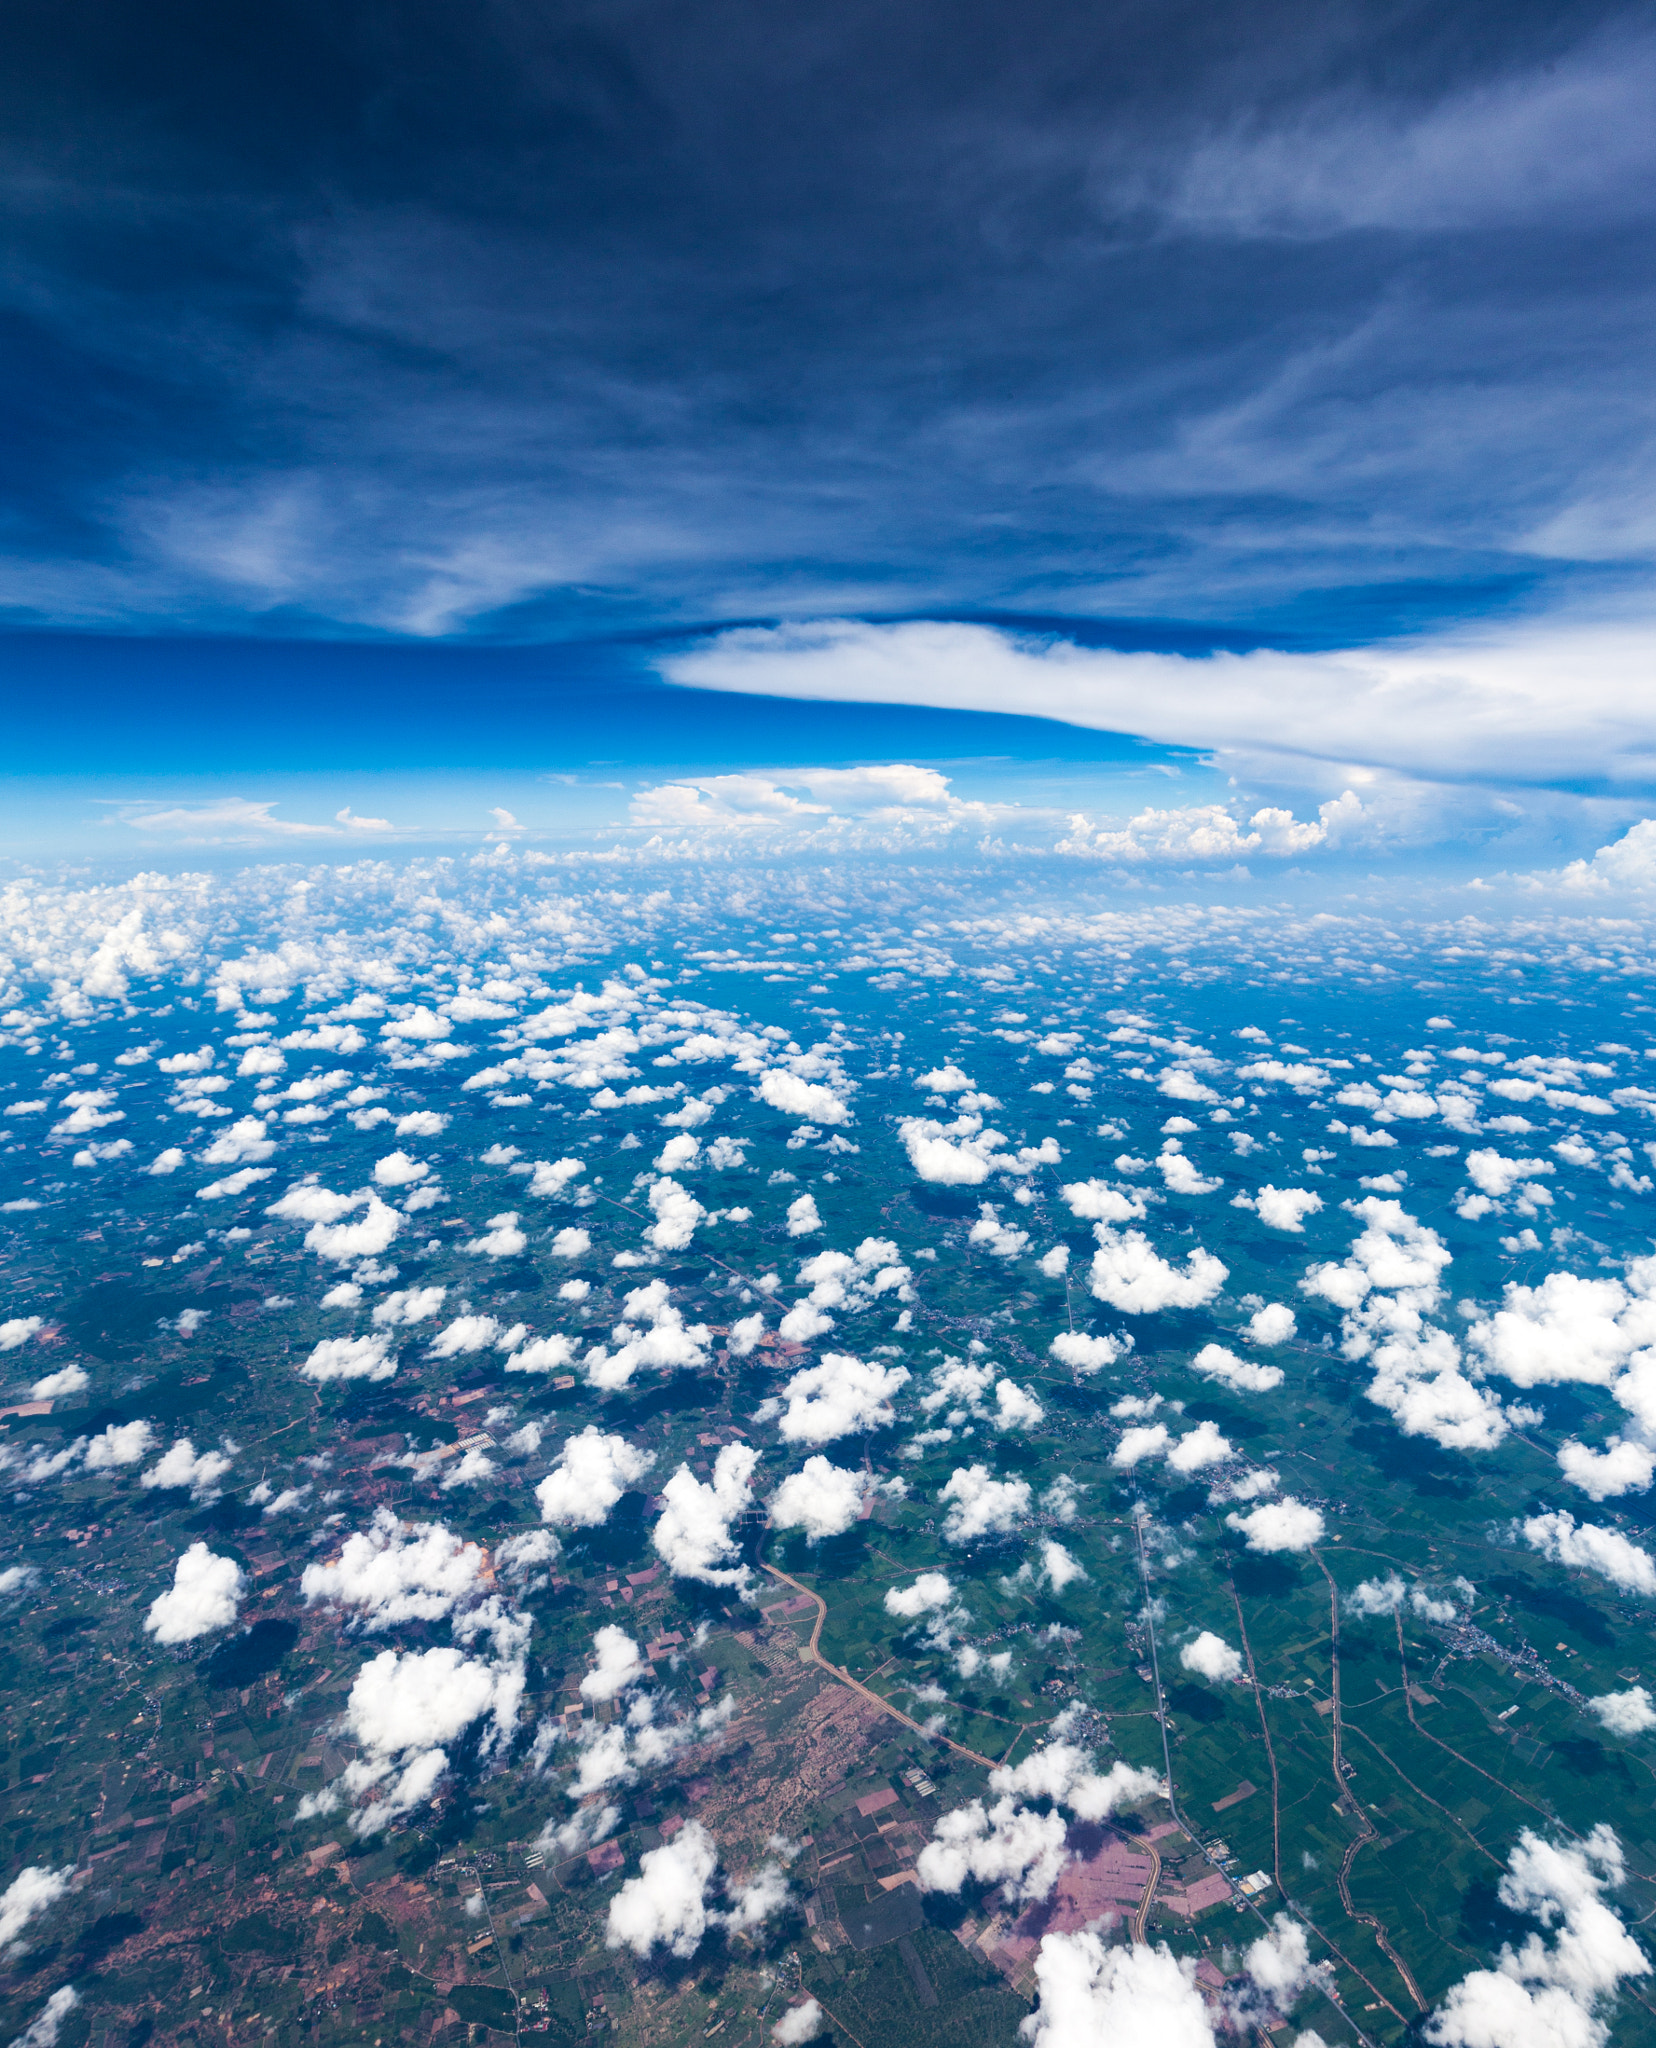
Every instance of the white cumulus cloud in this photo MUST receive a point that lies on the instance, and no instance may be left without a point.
(839, 1396)
(694, 1534)
(1285, 1524)
(821, 1498)
(981, 1506)
(1128, 1273)
(204, 1596)
(592, 1472)
(1210, 1656)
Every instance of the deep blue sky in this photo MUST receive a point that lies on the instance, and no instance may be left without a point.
(137, 708)
(552, 322)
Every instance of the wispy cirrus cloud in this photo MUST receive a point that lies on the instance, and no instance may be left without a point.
(1545, 704)
(233, 820)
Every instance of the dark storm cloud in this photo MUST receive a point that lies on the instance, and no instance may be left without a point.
(531, 319)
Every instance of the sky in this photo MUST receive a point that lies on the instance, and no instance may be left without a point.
(448, 395)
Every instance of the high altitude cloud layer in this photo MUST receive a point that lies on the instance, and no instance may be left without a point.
(1415, 354)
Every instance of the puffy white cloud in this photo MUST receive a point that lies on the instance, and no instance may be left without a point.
(1376, 1596)
(1286, 1208)
(617, 1665)
(929, 1594)
(1179, 1173)
(947, 1079)
(88, 1111)
(397, 1170)
(678, 1152)
(1541, 1995)
(1129, 1274)
(1214, 1362)
(744, 1334)
(1096, 1201)
(964, 1153)
(1568, 1329)
(1625, 1713)
(1496, 1175)
(603, 1763)
(501, 1239)
(18, 1330)
(1210, 1656)
(676, 1212)
(1395, 1253)
(1021, 1851)
(552, 1176)
(887, 805)
(1418, 1377)
(1059, 1568)
(419, 1022)
(351, 1358)
(592, 1472)
(1299, 1075)
(1015, 1408)
(1625, 863)
(395, 1571)
(1145, 1441)
(1084, 1353)
(121, 1443)
(1182, 1086)
(409, 1305)
(981, 1506)
(803, 1216)
(693, 1534)
(330, 1237)
(796, 1097)
(760, 1899)
(838, 1396)
(1055, 1263)
(185, 1466)
(799, 2024)
(802, 1323)
(44, 1465)
(244, 1142)
(1207, 832)
(55, 1386)
(1009, 1844)
(666, 1904)
(668, 1343)
(542, 1354)
(821, 1498)
(959, 1386)
(1621, 1467)
(1589, 1547)
(1137, 1997)
(1279, 1963)
(1386, 1287)
(996, 1237)
(204, 1596)
(1199, 1448)
(466, 1334)
(571, 1244)
(405, 1708)
(30, 1893)
(1061, 1498)
(1273, 1324)
(1285, 1524)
